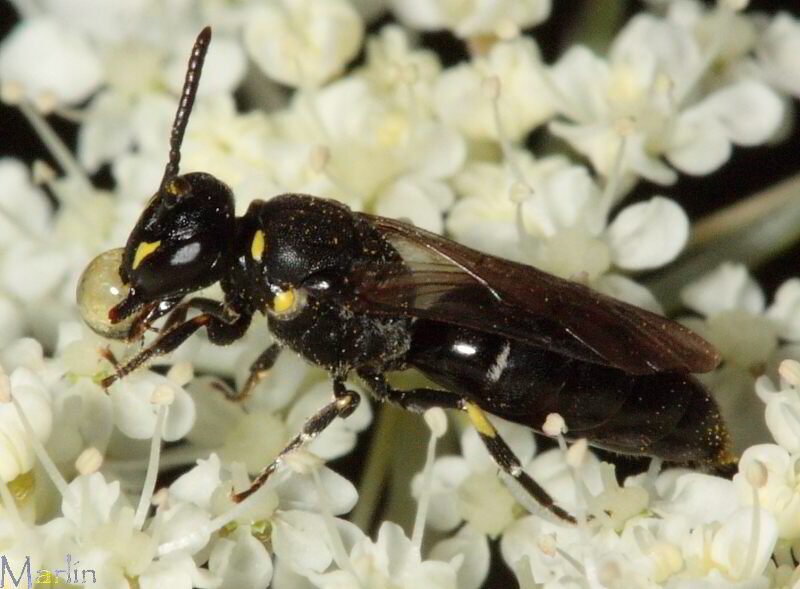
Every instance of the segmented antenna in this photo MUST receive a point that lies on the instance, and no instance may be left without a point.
(188, 94)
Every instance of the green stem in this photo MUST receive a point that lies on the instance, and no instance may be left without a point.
(374, 476)
(595, 24)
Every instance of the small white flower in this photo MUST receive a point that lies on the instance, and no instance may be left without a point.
(737, 322)
(25, 208)
(644, 103)
(109, 22)
(399, 144)
(780, 494)
(403, 73)
(778, 53)
(782, 412)
(16, 452)
(391, 561)
(50, 62)
(749, 337)
(531, 543)
(684, 496)
(785, 310)
(100, 529)
(562, 226)
(551, 471)
(238, 148)
(564, 197)
(728, 546)
(11, 319)
(523, 100)
(240, 561)
(301, 540)
(468, 19)
(473, 547)
(702, 137)
(303, 42)
(728, 287)
(648, 234)
(135, 414)
(468, 488)
(134, 111)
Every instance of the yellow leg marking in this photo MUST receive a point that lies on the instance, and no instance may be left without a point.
(480, 421)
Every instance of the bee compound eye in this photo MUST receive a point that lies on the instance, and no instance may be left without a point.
(100, 288)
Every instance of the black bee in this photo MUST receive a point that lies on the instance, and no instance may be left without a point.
(358, 293)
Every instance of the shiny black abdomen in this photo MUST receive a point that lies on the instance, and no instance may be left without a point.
(666, 415)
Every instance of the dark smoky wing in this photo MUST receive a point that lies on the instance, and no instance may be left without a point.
(445, 281)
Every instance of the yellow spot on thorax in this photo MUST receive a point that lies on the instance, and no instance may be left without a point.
(258, 245)
(284, 301)
(480, 421)
(144, 249)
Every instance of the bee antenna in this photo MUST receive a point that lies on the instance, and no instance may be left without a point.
(188, 95)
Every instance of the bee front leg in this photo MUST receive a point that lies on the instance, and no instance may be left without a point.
(221, 331)
(343, 404)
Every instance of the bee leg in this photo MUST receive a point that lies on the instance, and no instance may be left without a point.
(177, 311)
(508, 462)
(420, 399)
(214, 308)
(220, 331)
(343, 404)
(258, 372)
(417, 400)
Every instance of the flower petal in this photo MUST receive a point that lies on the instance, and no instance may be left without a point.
(49, 59)
(648, 234)
(786, 310)
(303, 42)
(729, 287)
(300, 492)
(751, 112)
(733, 541)
(243, 563)
(473, 547)
(408, 198)
(300, 539)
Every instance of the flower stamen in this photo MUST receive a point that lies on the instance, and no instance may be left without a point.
(38, 448)
(437, 423)
(56, 146)
(162, 396)
(756, 475)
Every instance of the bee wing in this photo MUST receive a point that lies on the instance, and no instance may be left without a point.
(442, 280)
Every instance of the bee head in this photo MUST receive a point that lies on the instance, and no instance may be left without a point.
(179, 243)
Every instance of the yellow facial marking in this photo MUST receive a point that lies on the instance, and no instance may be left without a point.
(284, 301)
(145, 249)
(258, 245)
(480, 421)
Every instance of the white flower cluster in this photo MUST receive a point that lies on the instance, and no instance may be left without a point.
(296, 96)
